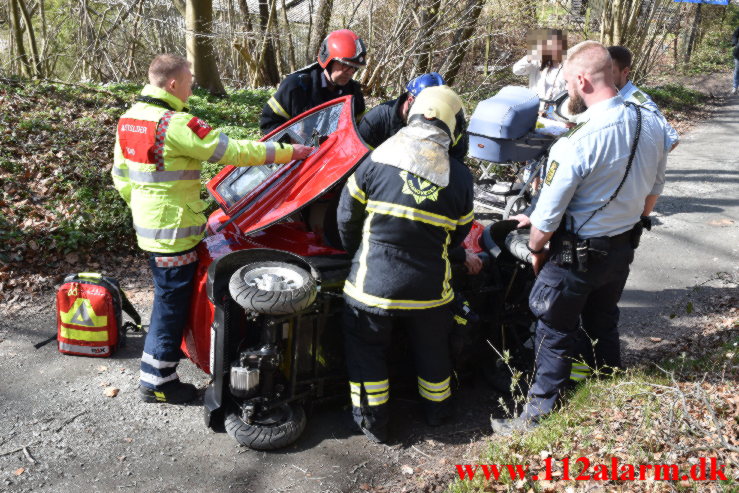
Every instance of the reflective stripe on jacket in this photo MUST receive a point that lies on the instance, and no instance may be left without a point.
(301, 91)
(157, 163)
(399, 229)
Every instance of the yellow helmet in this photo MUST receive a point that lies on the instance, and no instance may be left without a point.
(440, 102)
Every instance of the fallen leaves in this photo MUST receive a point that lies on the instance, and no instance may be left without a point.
(111, 391)
(723, 222)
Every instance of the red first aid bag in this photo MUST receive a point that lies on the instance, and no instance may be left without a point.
(89, 315)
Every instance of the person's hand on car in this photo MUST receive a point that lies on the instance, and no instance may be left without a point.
(301, 152)
(523, 220)
(472, 262)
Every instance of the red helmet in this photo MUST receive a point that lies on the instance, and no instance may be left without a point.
(343, 46)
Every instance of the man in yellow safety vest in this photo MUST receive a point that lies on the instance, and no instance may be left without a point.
(159, 152)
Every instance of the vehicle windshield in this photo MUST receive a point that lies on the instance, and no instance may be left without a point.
(310, 131)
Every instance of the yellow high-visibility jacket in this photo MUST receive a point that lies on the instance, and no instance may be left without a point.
(159, 151)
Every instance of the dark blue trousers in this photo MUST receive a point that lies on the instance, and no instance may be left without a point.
(172, 293)
(561, 296)
(368, 337)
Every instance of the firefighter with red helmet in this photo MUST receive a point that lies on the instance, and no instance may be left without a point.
(342, 53)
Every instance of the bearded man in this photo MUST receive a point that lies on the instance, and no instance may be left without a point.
(603, 179)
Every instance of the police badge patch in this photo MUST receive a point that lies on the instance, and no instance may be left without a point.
(550, 174)
(641, 98)
(420, 188)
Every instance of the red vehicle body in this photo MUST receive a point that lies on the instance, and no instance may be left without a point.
(266, 363)
(252, 221)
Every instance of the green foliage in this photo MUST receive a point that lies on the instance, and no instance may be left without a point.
(56, 147)
(672, 98)
(237, 116)
(713, 54)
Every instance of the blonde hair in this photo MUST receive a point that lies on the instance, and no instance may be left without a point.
(166, 67)
(592, 58)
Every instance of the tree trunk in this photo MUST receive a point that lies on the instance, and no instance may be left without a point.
(44, 38)
(15, 23)
(461, 40)
(290, 42)
(131, 56)
(323, 18)
(181, 7)
(37, 69)
(693, 33)
(267, 58)
(429, 16)
(199, 20)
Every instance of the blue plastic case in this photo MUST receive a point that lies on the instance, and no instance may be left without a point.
(502, 127)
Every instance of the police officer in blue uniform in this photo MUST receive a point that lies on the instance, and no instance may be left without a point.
(622, 61)
(602, 178)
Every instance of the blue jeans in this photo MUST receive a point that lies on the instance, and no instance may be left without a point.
(172, 292)
(736, 72)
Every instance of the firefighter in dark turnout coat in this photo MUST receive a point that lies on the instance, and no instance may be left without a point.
(384, 120)
(342, 53)
(405, 207)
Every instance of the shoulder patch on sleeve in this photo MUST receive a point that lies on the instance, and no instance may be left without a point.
(550, 173)
(574, 129)
(639, 96)
(198, 126)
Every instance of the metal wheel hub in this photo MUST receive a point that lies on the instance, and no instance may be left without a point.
(273, 279)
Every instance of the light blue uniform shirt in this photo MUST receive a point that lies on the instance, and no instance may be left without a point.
(635, 95)
(587, 164)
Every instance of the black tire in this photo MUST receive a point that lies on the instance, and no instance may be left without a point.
(514, 204)
(273, 288)
(282, 428)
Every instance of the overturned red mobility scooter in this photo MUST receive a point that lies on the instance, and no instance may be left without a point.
(265, 322)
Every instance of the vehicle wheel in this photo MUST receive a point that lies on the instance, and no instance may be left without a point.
(273, 288)
(514, 205)
(274, 430)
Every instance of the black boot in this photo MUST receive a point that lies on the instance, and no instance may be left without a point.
(438, 413)
(174, 392)
(376, 433)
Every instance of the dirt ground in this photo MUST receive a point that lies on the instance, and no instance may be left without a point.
(60, 432)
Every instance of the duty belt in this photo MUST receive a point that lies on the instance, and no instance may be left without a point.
(567, 249)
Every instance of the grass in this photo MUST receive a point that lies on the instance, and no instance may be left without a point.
(674, 99)
(56, 146)
(671, 414)
(713, 54)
